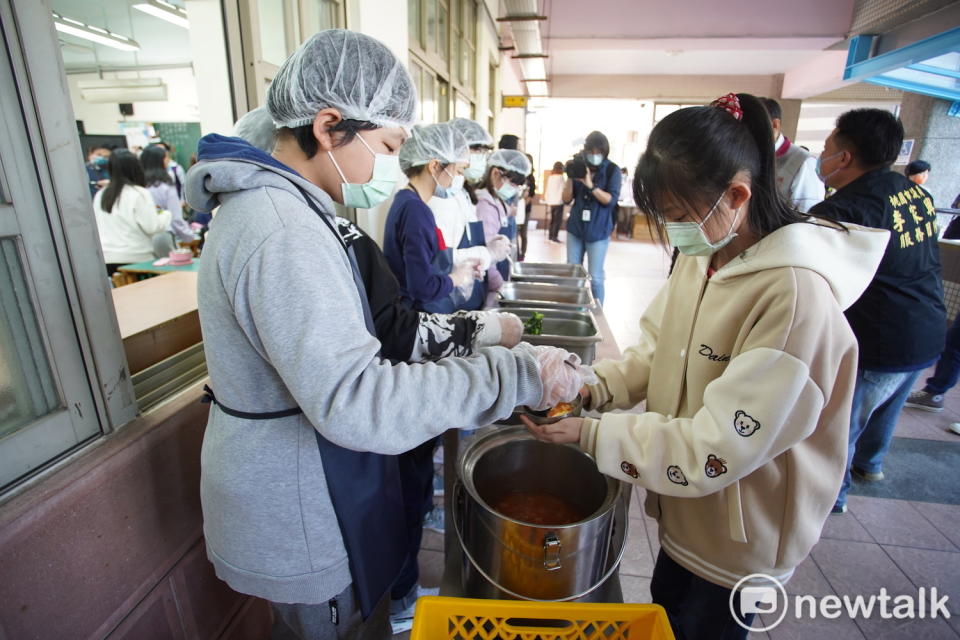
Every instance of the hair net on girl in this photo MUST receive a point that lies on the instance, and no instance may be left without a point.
(440, 141)
(473, 132)
(348, 71)
(510, 160)
(256, 127)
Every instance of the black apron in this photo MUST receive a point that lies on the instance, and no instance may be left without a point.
(364, 487)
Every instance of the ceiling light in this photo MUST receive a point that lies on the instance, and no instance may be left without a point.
(165, 11)
(123, 90)
(94, 34)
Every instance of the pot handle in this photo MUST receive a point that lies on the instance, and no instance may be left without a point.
(551, 552)
(621, 511)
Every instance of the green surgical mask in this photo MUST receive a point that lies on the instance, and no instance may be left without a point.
(478, 164)
(386, 172)
(690, 239)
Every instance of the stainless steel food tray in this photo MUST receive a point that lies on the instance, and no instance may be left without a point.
(554, 269)
(575, 331)
(549, 296)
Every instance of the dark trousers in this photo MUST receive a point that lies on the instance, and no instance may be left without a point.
(556, 220)
(416, 479)
(698, 609)
(948, 366)
(522, 239)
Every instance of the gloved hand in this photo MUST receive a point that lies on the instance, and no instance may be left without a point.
(560, 372)
(499, 246)
(480, 253)
(465, 273)
(511, 330)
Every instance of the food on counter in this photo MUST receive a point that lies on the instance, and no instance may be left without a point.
(561, 410)
(534, 326)
(537, 507)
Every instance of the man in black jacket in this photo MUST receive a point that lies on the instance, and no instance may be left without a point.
(900, 320)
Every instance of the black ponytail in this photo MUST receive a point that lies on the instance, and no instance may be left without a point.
(693, 154)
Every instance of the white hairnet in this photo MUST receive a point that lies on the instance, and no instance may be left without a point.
(475, 134)
(256, 127)
(510, 160)
(440, 141)
(348, 71)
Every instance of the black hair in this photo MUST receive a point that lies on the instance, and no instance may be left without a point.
(124, 170)
(308, 142)
(153, 170)
(596, 140)
(873, 136)
(558, 167)
(165, 145)
(481, 147)
(508, 141)
(772, 107)
(917, 166)
(97, 147)
(694, 153)
(411, 172)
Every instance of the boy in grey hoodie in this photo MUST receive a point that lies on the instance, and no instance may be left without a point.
(296, 463)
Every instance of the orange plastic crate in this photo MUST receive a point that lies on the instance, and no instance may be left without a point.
(439, 618)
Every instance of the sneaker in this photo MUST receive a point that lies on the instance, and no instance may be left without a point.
(401, 611)
(925, 401)
(839, 508)
(434, 520)
(868, 476)
(954, 427)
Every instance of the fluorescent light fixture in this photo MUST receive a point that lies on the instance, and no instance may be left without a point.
(94, 34)
(165, 11)
(123, 90)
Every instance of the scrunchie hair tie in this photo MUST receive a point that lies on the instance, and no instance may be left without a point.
(729, 103)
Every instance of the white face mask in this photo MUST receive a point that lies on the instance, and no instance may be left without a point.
(457, 184)
(690, 238)
(386, 173)
(478, 164)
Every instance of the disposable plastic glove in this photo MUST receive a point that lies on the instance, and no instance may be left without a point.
(499, 246)
(560, 372)
(480, 253)
(511, 329)
(465, 273)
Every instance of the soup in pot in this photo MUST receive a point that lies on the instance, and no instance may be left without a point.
(537, 507)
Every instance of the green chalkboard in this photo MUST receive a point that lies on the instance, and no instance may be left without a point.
(183, 135)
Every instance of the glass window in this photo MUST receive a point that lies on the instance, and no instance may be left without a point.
(469, 21)
(27, 387)
(431, 25)
(429, 98)
(443, 101)
(414, 24)
(272, 27)
(416, 72)
(442, 26)
(319, 15)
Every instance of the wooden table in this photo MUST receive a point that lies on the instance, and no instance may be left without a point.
(133, 272)
(158, 318)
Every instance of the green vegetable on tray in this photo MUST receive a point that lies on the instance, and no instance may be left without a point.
(534, 326)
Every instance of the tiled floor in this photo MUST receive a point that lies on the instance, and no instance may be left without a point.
(878, 543)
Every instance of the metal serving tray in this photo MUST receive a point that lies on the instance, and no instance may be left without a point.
(563, 281)
(549, 296)
(575, 331)
(554, 269)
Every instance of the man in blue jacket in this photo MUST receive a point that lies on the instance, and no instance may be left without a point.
(594, 199)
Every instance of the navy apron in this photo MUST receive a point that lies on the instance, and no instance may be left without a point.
(364, 487)
(442, 264)
(508, 227)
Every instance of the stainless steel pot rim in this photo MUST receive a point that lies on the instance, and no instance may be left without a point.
(489, 441)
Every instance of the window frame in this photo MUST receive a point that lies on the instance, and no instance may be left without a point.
(445, 66)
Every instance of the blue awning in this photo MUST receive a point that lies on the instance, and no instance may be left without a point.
(930, 66)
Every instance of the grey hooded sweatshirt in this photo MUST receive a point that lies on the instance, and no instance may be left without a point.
(283, 327)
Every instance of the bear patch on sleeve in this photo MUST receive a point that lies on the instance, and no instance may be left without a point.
(629, 469)
(675, 475)
(715, 466)
(745, 424)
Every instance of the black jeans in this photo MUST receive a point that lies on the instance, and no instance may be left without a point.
(522, 240)
(416, 478)
(556, 220)
(698, 609)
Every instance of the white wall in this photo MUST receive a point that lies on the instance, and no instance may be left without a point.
(181, 105)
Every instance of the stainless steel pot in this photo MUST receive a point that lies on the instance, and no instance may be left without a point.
(524, 560)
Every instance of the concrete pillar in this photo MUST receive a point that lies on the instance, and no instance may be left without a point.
(937, 140)
(790, 117)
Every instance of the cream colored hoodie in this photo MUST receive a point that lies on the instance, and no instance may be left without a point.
(748, 378)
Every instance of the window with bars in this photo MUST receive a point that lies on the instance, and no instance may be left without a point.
(443, 44)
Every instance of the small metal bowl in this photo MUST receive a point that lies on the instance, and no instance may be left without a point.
(540, 417)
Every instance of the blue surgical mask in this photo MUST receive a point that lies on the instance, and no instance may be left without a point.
(690, 239)
(507, 191)
(478, 164)
(440, 191)
(386, 173)
(100, 161)
(595, 159)
(820, 159)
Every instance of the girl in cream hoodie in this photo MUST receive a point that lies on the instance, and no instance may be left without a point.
(746, 365)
